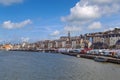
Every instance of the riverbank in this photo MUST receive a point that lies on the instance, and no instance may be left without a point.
(108, 59)
(78, 55)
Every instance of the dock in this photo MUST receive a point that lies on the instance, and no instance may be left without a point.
(109, 59)
(78, 55)
(92, 57)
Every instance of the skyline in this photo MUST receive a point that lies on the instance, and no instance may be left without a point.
(49, 19)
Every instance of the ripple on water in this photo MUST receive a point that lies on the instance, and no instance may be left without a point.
(40, 66)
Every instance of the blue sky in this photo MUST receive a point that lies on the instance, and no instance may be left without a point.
(34, 20)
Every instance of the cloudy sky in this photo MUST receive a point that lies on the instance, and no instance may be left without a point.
(34, 20)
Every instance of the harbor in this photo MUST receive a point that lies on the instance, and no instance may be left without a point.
(60, 40)
(98, 55)
(92, 57)
(99, 46)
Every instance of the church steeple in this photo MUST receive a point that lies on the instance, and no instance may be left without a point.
(69, 35)
(68, 43)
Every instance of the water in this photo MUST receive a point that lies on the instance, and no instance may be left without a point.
(46, 66)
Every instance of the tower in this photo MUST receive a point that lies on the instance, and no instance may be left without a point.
(69, 40)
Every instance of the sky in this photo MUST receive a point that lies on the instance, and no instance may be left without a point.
(35, 20)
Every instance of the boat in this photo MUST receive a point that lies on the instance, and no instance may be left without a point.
(100, 59)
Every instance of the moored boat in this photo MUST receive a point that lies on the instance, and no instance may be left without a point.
(100, 59)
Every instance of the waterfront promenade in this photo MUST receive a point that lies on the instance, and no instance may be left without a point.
(108, 59)
(78, 55)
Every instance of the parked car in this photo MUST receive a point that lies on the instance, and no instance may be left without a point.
(62, 50)
(95, 52)
(85, 50)
(108, 53)
(117, 55)
(75, 50)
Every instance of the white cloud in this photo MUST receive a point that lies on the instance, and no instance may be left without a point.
(55, 33)
(106, 7)
(11, 25)
(110, 28)
(103, 1)
(88, 11)
(72, 28)
(10, 2)
(25, 39)
(81, 13)
(95, 25)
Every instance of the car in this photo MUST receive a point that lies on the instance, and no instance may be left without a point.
(117, 55)
(75, 51)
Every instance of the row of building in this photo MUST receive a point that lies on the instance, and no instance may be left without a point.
(110, 38)
(107, 39)
(62, 42)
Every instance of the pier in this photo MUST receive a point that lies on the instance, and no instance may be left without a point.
(92, 57)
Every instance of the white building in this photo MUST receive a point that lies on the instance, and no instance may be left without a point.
(74, 44)
(63, 44)
(50, 45)
(113, 39)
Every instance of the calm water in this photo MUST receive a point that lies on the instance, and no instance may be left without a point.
(45, 66)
